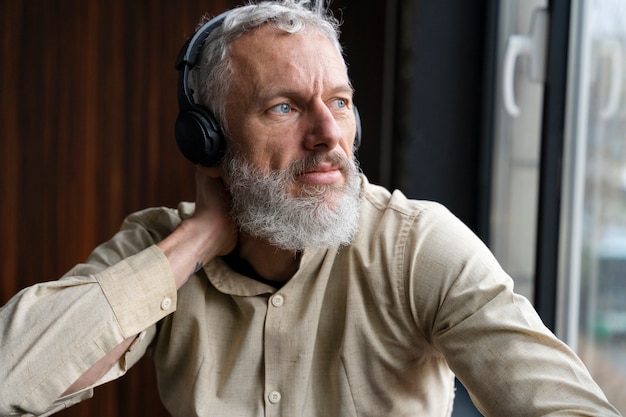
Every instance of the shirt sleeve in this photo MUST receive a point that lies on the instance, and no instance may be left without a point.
(492, 338)
(52, 332)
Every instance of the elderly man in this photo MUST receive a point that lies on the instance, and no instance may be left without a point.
(292, 287)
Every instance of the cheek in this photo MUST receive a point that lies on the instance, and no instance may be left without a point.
(347, 145)
(259, 151)
(269, 148)
(348, 126)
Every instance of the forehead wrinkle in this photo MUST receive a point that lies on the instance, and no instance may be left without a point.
(294, 72)
(302, 82)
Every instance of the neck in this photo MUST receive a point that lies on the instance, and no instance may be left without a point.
(269, 262)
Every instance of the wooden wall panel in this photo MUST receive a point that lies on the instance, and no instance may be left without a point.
(87, 107)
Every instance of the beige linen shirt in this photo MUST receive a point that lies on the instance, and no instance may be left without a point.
(373, 329)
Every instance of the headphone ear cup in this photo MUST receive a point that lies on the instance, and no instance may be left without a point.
(357, 137)
(199, 137)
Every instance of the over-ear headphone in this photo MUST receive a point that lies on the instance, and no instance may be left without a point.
(198, 134)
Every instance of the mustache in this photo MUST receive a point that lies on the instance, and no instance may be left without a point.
(311, 162)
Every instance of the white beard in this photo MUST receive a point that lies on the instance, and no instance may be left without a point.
(321, 216)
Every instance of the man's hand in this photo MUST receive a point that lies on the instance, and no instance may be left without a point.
(210, 232)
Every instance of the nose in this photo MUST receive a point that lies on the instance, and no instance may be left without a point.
(323, 130)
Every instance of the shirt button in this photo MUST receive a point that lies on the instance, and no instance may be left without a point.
(278, 300)
(274, 397)
(166, 303)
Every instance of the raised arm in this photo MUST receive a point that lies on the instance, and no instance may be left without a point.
(206, 234)
(60, 337)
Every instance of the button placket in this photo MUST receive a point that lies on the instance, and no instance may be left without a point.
(274, 337)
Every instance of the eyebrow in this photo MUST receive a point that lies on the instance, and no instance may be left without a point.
(344, 88)
(270, 95)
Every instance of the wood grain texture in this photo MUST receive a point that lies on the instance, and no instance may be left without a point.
(87, 109)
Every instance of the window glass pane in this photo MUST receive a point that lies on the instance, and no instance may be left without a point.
(594, 274)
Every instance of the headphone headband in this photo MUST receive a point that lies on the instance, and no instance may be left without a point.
(190, 52)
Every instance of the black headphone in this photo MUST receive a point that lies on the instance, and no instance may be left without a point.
(198, 134)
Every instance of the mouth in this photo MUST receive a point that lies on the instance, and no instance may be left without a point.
(323, 174)
(322, 170)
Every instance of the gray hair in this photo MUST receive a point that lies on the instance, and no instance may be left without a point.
(212, 76)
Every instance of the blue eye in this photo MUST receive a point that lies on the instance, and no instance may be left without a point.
(282, 108)
(340, 103)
